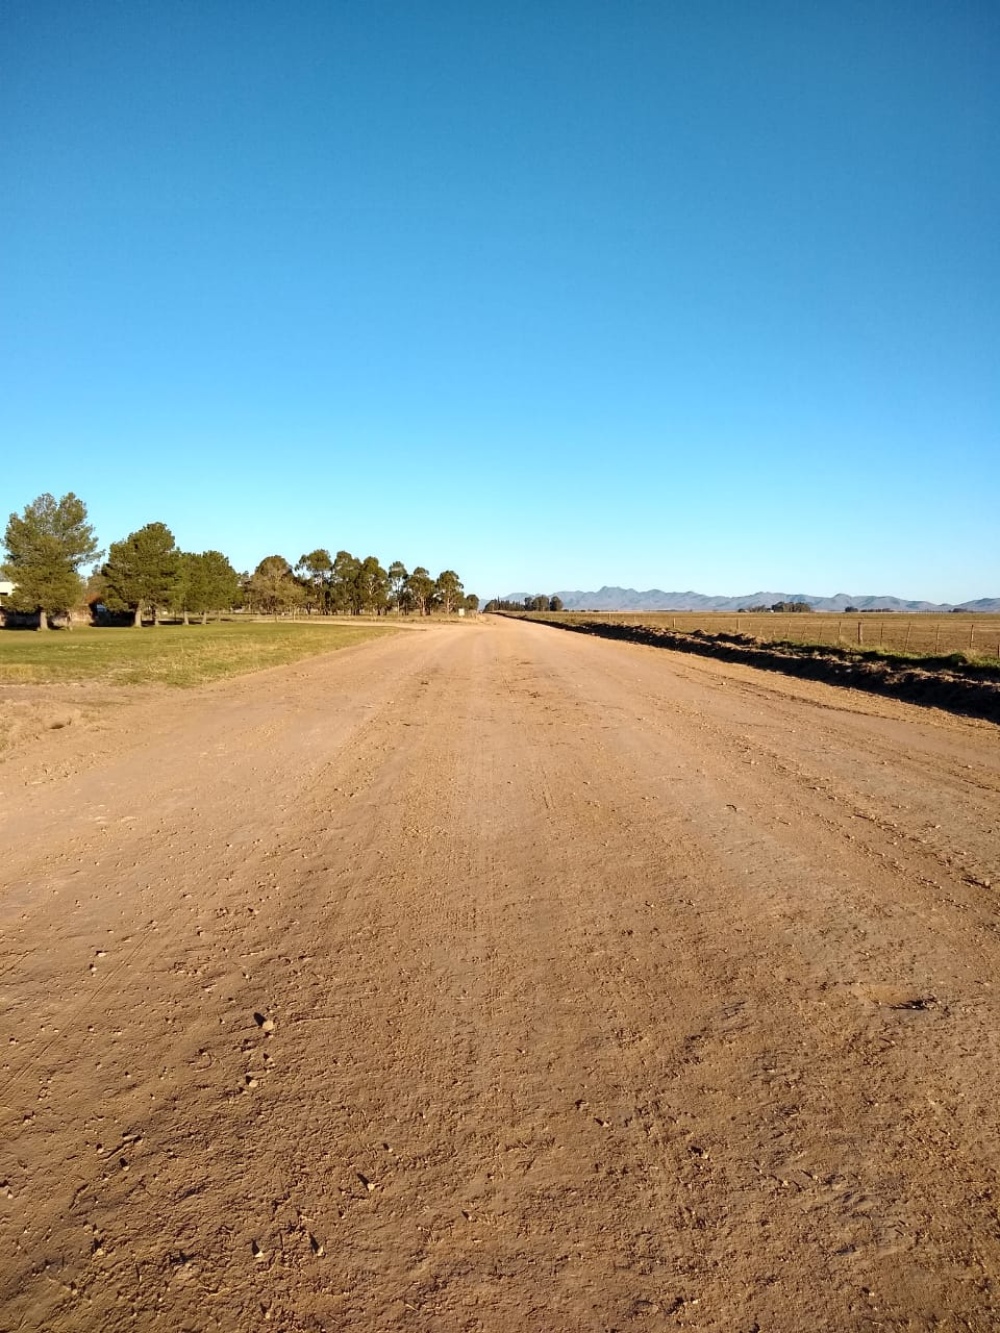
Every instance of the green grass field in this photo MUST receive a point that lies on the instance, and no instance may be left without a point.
(178, 655)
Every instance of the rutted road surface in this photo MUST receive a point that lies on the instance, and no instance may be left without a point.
(499, 978)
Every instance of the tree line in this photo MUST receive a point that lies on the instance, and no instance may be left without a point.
(146, 576)
(540, 602)
(345, 585)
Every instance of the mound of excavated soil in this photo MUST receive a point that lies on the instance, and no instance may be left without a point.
(29, 712)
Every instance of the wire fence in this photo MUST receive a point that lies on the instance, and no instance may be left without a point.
(923, 634)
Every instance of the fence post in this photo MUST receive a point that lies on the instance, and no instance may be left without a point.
(909, 626)
(861, 637)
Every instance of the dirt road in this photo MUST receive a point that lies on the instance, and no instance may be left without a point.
(500, 978)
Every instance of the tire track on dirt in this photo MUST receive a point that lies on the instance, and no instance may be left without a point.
(548, 1034)
(177, 933)
(726, 855)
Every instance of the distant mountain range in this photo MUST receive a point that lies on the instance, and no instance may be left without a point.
(627, 599)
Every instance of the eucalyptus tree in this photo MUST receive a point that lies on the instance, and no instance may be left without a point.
(448, 590)
(316, 571)
(372, 585)
(273, 586)
(344, 583)
(420, 588)
(397, 577)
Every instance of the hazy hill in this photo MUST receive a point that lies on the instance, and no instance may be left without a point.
(654, 599)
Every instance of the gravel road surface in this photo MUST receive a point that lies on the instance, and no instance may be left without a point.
(491, 977)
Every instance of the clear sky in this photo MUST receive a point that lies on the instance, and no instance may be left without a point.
(678, 293)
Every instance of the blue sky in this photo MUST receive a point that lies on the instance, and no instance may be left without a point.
(695, 294)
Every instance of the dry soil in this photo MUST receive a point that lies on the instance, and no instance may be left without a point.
(501, 978)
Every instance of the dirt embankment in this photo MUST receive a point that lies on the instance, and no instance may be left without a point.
(941, 682)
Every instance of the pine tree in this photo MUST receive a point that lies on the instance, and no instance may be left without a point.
(142, 571)
(210, 583)
(46, 545)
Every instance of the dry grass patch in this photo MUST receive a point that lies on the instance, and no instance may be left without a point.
(919, 635)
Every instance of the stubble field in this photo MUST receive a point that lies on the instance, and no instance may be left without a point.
(975, 636)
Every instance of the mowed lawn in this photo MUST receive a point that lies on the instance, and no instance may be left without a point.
(179, 655)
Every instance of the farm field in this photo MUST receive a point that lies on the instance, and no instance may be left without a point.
(177, 655)
(976, 636)
(501, 978)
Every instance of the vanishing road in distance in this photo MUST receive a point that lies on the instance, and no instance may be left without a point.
(494, 977)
